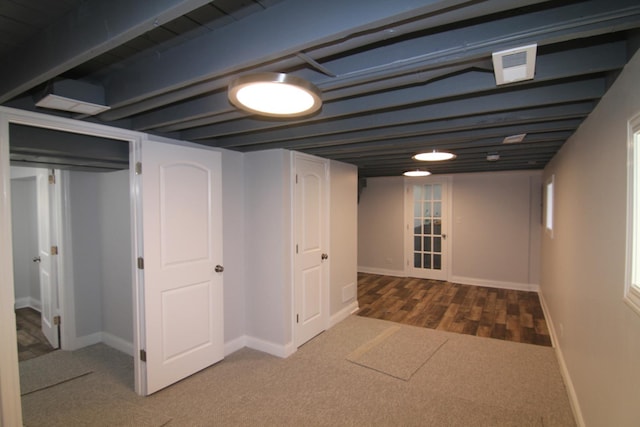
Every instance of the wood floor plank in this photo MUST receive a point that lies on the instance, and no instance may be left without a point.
(473, 310)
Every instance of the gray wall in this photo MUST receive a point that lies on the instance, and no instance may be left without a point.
(25, 242)
(268, 246)
(115, 229)
(380, 226)
(495, 228)
(101, 245)
(583, 265)
(84, 189)
(343, 245)
(233, 244)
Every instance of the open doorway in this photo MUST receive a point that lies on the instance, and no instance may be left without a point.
(83, 235)
(83, 228)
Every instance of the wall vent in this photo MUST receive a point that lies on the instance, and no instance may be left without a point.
(514, 65)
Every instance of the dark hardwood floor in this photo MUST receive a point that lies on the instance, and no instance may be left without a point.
(474, 310)
(31, 341)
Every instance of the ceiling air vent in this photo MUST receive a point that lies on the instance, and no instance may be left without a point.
(514, 65)
(74, 96)
(514, 139)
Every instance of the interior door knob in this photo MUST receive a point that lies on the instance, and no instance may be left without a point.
(219, 269)
(324, 256)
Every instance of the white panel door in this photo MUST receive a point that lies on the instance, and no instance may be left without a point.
(182, 226)
(427, 228)
(311, 290)
(46, 263)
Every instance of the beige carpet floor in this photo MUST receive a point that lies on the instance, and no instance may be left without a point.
(459, 380)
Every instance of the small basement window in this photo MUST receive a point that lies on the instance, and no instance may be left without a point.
(632, 280)
(548, 206)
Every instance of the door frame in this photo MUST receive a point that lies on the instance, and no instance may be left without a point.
(10, 402)
(447, 215)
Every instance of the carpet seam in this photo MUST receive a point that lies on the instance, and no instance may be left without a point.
(56, 384)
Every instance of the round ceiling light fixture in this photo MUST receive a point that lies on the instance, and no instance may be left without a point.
(274, 95)
(434, 156)
(417, 172)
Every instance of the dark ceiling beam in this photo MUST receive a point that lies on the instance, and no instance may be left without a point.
(558, 65)
(204, 110)
(586, 19)
(334, 25)
(496, 102)
(461, 148)
(242, 45)
(93, 28)
(578, 110)
(554, 25)
(449, 141)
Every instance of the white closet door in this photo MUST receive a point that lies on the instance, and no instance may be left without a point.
(182, 217)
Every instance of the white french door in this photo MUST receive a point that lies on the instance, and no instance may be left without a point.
(182, 240)
(310, 289)
(427, 228)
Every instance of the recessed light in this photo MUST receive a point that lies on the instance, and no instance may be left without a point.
(434, 156)
(417, 172)
(274, 95)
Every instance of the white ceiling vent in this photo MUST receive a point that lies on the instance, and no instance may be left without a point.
(514, 65)
(74, 96)
(514, 139)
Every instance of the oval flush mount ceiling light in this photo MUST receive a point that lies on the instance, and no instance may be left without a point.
(417, 172)
(274, 95)
(434, 156)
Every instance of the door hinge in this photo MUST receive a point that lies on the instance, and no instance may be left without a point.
(141, 263)
(296, 248)
(56, 320)
(138, 168)
(54, 250)
(297, 318)
(52, 179)
(296, 178)
(143, 355)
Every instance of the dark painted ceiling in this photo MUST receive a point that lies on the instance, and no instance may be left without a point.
(397, 76)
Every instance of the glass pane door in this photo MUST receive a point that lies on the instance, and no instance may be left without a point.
(427, 226)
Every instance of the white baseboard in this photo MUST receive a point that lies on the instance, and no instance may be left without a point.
(102, 337)
(277, 350)
(27, 302)
(235, 345)
(530, 287)
(85, 341)
(382, 271)
(573, 397)
(117, 343)
(343, 314)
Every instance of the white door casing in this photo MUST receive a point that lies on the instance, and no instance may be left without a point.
(427, 229)
(182, 229)
(46, 263)
(311, 288)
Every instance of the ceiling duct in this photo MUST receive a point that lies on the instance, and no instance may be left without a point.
(74, 96)
(514, 65)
